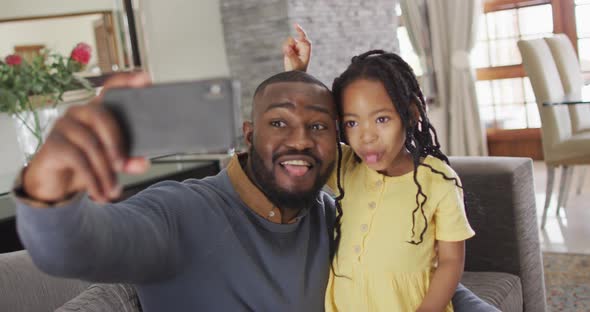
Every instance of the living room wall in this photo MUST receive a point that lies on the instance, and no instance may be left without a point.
(242, 38)
(183, 39)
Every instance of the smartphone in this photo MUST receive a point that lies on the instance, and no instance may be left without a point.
(201, 117)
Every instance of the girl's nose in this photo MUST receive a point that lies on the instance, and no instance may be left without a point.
(368, 135)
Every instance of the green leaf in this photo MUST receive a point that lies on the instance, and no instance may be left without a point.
(83, 82)
(8, 101)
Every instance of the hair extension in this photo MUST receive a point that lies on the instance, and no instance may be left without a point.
(337, 222)
(338, 200)
(401, 85)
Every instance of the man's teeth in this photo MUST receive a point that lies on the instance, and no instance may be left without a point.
(296, 163)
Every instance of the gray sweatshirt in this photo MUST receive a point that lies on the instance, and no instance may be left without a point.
(187, 246)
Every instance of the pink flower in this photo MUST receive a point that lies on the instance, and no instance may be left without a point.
(13, 60)
(81, 53)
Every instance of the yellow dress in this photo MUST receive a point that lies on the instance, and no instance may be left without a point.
(375, 268)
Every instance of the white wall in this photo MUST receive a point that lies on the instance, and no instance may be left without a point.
(58, 35)
(184, 39)
(25, 8)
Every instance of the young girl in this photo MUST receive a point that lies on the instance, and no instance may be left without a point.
(401, 230)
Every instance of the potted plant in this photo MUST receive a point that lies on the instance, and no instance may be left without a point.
(30, 91)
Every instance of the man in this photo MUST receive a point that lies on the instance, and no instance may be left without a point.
(254, 237)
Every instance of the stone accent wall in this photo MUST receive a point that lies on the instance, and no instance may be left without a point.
(255, 29)
(340, 30)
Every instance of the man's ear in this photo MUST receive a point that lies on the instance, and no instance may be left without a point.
(248, 132)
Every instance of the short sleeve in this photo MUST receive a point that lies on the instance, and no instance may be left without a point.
(451, 222)
(347, 162)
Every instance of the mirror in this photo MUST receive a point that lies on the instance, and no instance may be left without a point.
(28, 28)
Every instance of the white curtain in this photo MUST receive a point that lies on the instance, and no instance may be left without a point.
(453, 31)
(416, 23)
(443, 33)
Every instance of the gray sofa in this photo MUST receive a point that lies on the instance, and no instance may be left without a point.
(503, 261)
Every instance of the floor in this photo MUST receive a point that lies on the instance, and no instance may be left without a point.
(570, 232)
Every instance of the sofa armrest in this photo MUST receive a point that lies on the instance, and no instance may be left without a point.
(500, 205)
(104, 297)
(24, 288)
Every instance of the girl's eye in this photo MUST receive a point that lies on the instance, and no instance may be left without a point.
(382, 119)
(278, 124)
(350, 124)
(318, 127)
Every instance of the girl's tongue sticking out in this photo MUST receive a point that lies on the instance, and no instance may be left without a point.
(371, 158)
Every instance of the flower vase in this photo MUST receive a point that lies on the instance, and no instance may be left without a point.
(32, 128)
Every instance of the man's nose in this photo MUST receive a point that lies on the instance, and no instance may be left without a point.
(299, 139)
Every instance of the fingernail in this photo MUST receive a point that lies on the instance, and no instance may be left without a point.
(144, 76)
(116, 191)
(137, 166)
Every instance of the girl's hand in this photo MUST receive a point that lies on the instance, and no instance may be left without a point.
(297, 52)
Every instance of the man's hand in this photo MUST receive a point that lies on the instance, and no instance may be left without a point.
(297, 52)
(83, 152)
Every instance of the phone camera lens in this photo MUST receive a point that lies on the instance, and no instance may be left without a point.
(215, 89)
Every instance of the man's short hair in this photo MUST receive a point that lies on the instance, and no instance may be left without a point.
(289, 76)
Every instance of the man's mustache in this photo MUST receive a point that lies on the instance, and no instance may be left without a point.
(293, 152)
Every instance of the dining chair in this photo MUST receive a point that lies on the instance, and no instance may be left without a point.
(572, 80)
(561, 147)
(570, 74)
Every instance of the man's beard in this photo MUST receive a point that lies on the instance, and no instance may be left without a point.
(280, 197)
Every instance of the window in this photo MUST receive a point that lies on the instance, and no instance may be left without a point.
(504, 93)
(502, 101)
(499, 66)
(507, 103)
(582, 12)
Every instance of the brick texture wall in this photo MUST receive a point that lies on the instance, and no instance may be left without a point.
(255, 29)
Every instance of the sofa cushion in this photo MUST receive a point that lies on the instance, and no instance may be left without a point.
(103, 298)
(503, 290)
(23, 288)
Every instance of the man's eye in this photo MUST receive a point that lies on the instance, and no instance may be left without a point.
(350, 124)
(382, 119)
(318, 127)
(278, 124)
